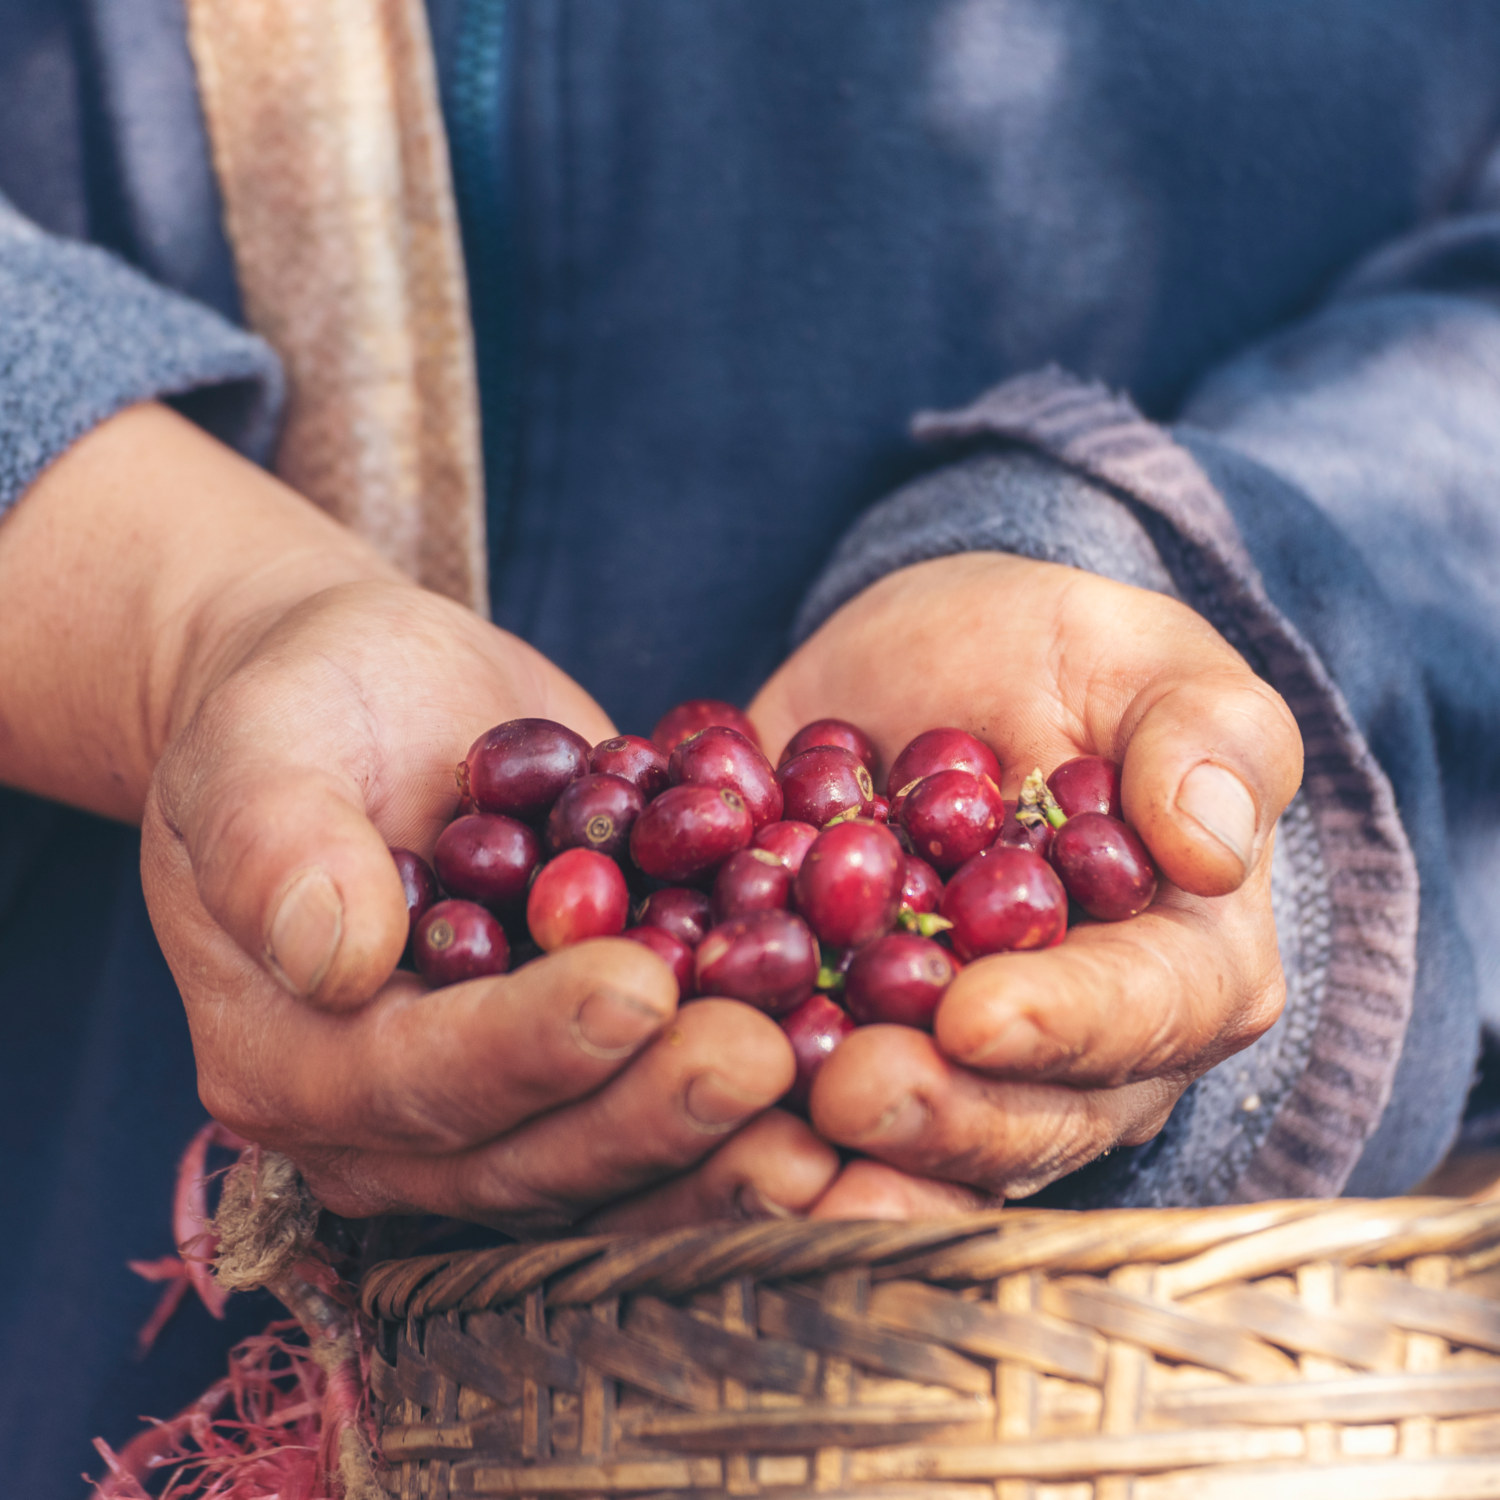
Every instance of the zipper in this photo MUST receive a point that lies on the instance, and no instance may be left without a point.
(477, 113)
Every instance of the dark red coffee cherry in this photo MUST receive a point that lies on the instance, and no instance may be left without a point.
(675, 953)
(768, 959)
(814, 1029)
(578, 895)
(751, 880)
(788, 840)
(1014, 834)
(419, 885)
(689, 831)
(823, 782)
(951, 815)
(898, 980)
(1104, 866)
(849, 886)
(720, 757)
(488, 858)
(880, 809)
(677, 909)
(688, 718)
(458, 940)
(1087, 783)
(641, 763)
(1004, 900)
(921, 885)
(838, 732)
(518, 768)
(940, 750)
(595, 812)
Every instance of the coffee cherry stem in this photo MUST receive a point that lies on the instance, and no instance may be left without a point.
(847, 816)
(925, 924)
(1037, 804)
(830, 978)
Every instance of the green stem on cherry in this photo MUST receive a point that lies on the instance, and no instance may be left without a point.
(1037, 805)
(924, 923)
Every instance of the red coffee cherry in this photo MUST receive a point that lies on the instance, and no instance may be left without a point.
(823, 782)
(640, 762)
(720, 757)
(689, 831)
(750, 880)
(941, 750)
(688, 718)
(788, 840)
(419, 885)
(595, 812)
(680, 910)
(768, 959)
(921, 885)
(519, 767)
(1004, 900)
(459, 940)
(578, 895)
(898, 979)
(1014, 834)
(1087, 783)
(671, 950)
(849, 886)
(951, 815)
(814, 1029)
(1104, 866)
(838, 732)
(488, 858)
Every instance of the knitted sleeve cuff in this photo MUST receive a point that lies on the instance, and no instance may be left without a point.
(83, 336)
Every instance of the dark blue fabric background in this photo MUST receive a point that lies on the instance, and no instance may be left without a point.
(747, 242)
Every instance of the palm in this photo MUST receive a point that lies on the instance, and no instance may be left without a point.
(1041, 1060)
(525, 1100)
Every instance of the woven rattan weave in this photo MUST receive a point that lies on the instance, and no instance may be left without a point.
(1268, 1352)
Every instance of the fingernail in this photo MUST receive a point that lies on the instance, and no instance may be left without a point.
(1220, 803)
(1017, 1046)
(610, 1024)
(751, 1203)
(715, 1106)
(901, 1124)
(304, 934)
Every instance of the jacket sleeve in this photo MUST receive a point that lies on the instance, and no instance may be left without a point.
(1330, 501)
(82, 336)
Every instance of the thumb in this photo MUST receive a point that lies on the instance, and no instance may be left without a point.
(1210, 764)
(287, 863)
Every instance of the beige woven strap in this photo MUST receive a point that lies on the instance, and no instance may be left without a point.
(328, 144)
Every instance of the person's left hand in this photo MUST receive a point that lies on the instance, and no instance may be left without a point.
(1041, 1061)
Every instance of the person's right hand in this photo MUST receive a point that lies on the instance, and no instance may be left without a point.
(525, 1100)
(189, 644)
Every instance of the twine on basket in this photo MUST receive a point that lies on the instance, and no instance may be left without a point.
(329, 150)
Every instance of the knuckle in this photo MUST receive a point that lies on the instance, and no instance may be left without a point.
(501, 1191)
(1062, 1138)
(428, 1115)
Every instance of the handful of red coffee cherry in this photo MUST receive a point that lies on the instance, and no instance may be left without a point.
(800, 889)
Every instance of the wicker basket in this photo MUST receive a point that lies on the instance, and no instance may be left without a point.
(1267, 1352)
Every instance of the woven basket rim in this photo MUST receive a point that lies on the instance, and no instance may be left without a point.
(1195, 1248)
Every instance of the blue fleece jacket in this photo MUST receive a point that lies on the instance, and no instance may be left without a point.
(1201, 296)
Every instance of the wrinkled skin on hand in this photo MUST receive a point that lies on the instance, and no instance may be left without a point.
(1041, 1061)
(321, 735)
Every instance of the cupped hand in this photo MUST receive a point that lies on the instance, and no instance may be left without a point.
(1041, 1061)
(316, 738)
